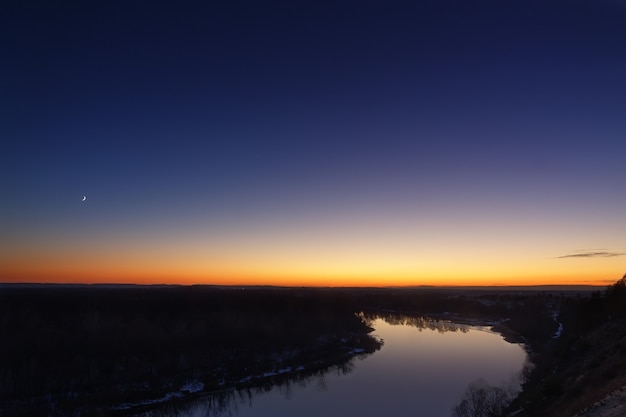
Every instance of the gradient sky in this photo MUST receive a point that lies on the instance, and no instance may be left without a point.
(313, 142)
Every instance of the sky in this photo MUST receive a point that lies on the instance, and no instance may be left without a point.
(340, 143)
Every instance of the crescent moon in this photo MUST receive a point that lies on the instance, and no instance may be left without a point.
(84, 198)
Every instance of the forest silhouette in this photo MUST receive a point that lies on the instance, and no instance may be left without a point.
(102, 350)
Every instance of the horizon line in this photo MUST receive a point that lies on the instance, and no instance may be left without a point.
(260, 286)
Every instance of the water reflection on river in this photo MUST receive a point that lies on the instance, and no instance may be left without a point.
(420, 370)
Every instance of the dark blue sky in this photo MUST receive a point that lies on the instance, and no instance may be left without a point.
(202, 117)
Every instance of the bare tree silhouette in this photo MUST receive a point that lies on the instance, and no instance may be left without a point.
(482, 400)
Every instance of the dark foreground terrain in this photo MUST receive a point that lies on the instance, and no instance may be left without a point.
(586, 362)
(97, 348)
(104, 350)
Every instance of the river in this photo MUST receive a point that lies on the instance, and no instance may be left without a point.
(423, 369)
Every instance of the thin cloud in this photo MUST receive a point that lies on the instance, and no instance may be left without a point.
(597, 254)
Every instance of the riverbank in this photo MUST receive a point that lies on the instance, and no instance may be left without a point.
(337, 361)
(92, 350)
(581, 372)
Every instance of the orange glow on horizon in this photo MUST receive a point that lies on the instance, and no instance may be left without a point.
(295, 280)
(310, 267)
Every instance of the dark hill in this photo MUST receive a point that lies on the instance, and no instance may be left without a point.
(587, 361)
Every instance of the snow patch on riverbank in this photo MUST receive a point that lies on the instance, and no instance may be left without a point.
(559, 330)
(190, 387)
